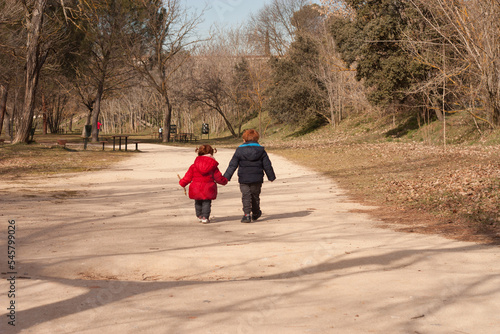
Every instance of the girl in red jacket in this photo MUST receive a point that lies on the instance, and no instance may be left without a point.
(203, 176)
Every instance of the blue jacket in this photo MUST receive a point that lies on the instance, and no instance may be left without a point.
(252, 161)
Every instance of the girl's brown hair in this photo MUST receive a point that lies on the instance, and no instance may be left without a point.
(205, 149)
(250, 135)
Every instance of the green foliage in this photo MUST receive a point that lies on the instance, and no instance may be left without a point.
(308, 19)
(295, 94)
(76, 48)
(373, 41)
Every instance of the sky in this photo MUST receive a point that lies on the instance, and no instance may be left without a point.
(226, 12)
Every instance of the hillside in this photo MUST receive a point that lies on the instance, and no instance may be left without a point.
(419, 184)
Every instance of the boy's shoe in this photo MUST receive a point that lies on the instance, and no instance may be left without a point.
(257, 215)
(200, 218)
(246, 219)
(205, 220)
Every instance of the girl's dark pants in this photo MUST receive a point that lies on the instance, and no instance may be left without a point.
(203, 207)
(250, 196)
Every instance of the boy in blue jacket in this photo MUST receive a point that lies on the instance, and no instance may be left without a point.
(252, 161)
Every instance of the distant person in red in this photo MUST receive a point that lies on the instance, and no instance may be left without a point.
(99, 125)
(203, 176)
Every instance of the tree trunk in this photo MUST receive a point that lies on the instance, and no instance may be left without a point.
(437, 108)
(496, 116)
(34, 62)
(96, 111)
(229, 126)
(167, 120)
(88, 121)
(12, 115)
(10, 126)
(54, 117)
(493, 91)
(44, 111)
(4, 91)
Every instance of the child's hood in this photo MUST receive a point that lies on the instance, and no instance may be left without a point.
(251, 151)
(205, 164)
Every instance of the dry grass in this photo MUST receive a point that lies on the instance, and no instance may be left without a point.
(454, 192)
(19, 161)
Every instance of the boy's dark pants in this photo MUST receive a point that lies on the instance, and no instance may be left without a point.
(203, 207)
(250, 196)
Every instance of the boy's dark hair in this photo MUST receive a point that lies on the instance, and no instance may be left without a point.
(250, 135)
(205, 149)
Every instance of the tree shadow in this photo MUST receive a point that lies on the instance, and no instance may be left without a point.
(103, 292)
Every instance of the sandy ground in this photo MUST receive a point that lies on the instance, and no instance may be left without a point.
(120, 251)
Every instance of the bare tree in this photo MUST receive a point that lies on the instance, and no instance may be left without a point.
(342, 91)
(132, 112)
(341, 86)
(221, 78)
(7, 13)
(46, 24)
(36, 54)
(11, 44)
(336, 7)
(272, 28)
(209, 86)
(55, 97)
(101, 71)
(467, 55)
(260, 79)
(160, 46)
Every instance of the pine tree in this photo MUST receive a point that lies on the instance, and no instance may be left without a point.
(372, 41)
(295, 94)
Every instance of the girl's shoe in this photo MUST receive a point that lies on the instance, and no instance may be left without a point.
(205, 220)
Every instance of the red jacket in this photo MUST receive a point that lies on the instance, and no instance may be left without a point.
(203, 175)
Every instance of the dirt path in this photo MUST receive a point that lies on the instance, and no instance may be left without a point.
(119, 251)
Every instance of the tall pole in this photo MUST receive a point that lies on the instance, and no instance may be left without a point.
(444, 94)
